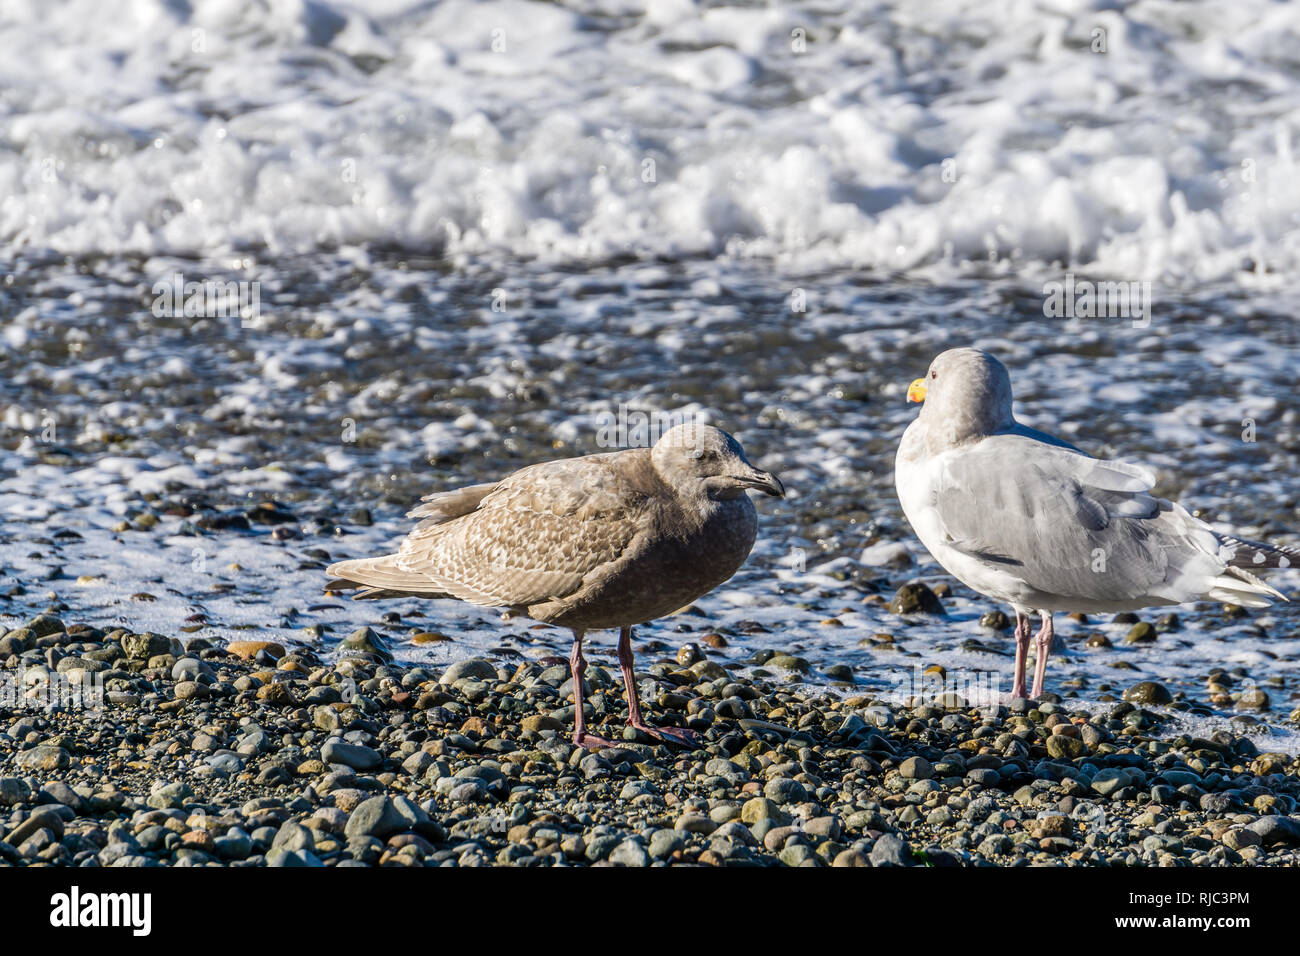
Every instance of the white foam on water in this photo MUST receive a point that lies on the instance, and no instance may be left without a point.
(928, 138)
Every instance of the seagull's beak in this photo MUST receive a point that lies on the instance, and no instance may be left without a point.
(916, 391)
(764, 481)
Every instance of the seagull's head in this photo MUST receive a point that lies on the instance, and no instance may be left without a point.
(967, 390)
(707, 459)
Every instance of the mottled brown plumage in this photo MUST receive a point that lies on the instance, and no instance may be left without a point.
(609, 540)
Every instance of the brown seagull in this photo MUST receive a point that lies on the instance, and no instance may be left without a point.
(611, 540)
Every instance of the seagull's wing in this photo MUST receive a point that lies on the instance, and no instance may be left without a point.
(1076, 527)
(445, 505)
(535, 537)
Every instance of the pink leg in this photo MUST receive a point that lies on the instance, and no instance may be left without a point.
(676, 735)
(1022, 653)
(1043, 643)
(578, 666)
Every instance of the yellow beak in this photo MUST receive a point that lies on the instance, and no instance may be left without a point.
(916, 391)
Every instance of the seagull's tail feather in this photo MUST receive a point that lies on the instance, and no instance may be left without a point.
(1255, 555)
(364, 593)
(1239, 586)
(376, 578)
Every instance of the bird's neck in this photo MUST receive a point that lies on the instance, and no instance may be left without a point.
(944, 431)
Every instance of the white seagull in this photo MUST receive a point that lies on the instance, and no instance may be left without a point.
(1031, 521)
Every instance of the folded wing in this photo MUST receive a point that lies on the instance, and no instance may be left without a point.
(538, 536)
(1079, 528)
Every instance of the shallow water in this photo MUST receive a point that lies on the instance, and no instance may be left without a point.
(471, 232)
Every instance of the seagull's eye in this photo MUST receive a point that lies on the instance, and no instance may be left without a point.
(934, 374)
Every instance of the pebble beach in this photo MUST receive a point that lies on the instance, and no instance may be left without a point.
(260, 754)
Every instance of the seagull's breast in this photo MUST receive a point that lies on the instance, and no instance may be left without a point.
(916, 480)
(914, 474)
(687, 567)
(680, 559)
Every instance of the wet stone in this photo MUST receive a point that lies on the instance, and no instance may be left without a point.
(1150, 693)
(916, 598)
